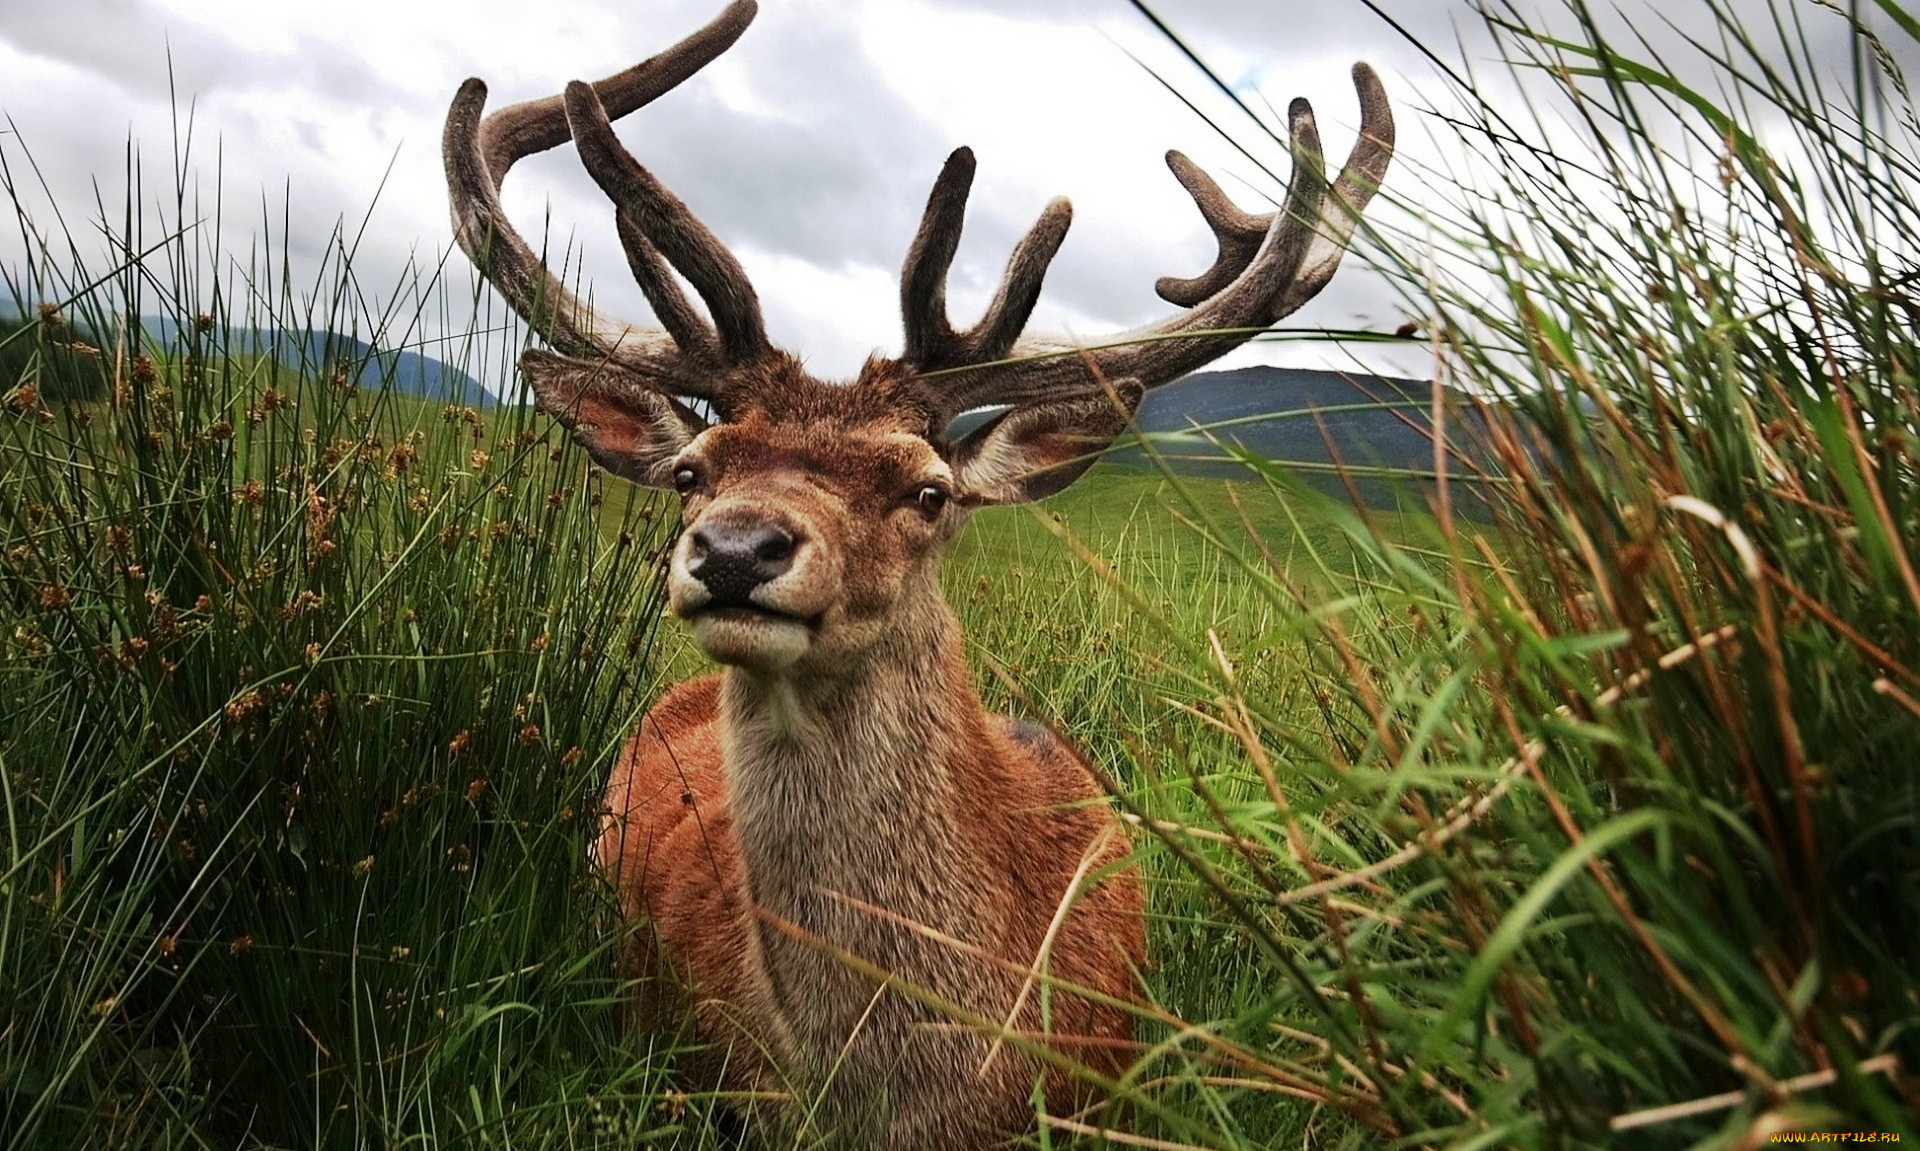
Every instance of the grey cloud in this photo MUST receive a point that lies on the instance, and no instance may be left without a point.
(786, 189)
(1280, 29)
(332, 73)
(831, 189)
(121, 42)
(1399, 36)
(127, 45)
(837, 179)
(828, 177)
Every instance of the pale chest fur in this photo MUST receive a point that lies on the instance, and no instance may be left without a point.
(846, 810)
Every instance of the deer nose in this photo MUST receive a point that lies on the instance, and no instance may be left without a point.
(732, 560)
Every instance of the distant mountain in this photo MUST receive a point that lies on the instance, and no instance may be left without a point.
(1312, 423)
(315, 352)
(1306, 421)
(310, 351)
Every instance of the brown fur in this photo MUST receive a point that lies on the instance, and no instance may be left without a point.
(772, 822)
(673, 852)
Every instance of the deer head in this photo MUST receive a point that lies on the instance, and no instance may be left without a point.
(815, 512)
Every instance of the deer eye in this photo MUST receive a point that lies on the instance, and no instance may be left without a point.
(930, 499)
(685, 478)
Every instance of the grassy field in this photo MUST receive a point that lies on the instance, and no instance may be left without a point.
(1593, 825)
(290, 799)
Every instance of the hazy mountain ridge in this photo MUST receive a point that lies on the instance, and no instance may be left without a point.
(314, 352)
(1307, 421)
(1311, 422)
(320, 351)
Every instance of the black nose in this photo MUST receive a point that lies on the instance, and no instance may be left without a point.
(732, 560)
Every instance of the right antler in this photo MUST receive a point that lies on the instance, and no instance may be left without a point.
(1267, 267)
(653, 223)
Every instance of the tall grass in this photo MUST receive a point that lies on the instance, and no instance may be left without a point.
(1607, 827)
(308, 688)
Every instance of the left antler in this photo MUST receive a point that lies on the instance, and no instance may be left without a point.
(680, 360)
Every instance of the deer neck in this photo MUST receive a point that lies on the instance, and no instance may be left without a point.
(843, 787)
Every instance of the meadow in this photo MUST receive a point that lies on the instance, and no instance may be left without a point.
(1593, 825)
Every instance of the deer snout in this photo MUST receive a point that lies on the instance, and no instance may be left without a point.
(732, 560)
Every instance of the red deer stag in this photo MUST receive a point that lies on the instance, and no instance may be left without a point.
(862, 881)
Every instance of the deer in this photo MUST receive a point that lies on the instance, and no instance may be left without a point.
(875, 899)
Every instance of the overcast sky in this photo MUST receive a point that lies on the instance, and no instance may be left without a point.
(809, 147)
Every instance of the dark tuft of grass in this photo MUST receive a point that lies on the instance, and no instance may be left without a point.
(1598, 823)
(309, 689)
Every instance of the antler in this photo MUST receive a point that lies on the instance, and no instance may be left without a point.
(1267, 267)
(652, 222)
(932, 344)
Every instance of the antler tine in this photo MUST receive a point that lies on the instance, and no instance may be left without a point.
(1360, 177)
(480, 227)
(1255, 280)
(1154, 355)
(479, 151)
(923, 280)
(1006, 316)
(931, 342)
(520, 130)
(689, 329)
(1238, 233)
(670, 227)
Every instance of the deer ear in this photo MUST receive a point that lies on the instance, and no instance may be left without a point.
(1033, 450)
(628, 428)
